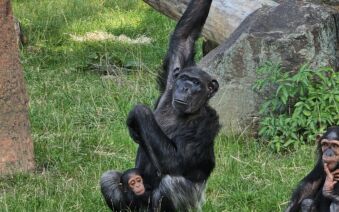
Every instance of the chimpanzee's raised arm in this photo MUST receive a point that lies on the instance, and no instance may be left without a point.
(180, 53)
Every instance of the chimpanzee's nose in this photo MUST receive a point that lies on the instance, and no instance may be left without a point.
(329, 153)
(185, 88)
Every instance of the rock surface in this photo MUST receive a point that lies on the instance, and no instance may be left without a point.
(293, 33)
(331, 2)
(16, 147)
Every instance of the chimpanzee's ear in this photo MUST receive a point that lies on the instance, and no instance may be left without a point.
(213, 87)
(318, 137)
(176, 72)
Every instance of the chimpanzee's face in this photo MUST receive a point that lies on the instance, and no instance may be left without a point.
(136, 184)
(192, 89)
(330, 150)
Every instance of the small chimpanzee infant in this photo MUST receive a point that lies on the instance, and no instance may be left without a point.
(134, 189)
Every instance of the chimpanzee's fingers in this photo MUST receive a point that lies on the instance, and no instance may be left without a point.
(328, 173)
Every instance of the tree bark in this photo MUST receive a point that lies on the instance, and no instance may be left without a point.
(16, 147)
(225, 15)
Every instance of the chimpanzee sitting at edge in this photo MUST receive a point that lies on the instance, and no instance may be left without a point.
(319, 190)
(176, 140)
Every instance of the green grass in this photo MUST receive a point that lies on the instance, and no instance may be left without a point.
(78, 116)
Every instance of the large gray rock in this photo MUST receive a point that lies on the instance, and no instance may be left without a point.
(331, 2)
(292, 34)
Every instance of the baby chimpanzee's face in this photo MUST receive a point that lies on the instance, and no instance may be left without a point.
(135, 183)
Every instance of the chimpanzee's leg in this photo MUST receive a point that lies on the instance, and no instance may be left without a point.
(334, 207)
(176, 193)
(307, 205)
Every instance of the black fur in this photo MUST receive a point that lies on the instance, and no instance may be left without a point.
(112, 191)
(181, 47)
(308, 196)
(176, 140)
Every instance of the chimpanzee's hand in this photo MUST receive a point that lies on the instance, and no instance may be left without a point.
(335, 175)
(142, 113)
(331, 180)
(138, 116)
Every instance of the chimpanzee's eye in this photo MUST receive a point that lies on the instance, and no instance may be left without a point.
(196, 82)
(183, 77)
(324, 144)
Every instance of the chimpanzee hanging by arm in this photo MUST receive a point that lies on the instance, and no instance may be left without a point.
(181, 130)
(179, 134)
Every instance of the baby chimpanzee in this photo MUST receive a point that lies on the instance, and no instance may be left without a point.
(134, 189)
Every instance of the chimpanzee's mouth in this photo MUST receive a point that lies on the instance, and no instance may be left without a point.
(329, 159)
(180, 102)
(139, 192)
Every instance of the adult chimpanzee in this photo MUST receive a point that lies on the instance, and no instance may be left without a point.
(318, 190)
(176, 140)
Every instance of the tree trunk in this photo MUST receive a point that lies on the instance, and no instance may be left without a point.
(16, 147)
(225, 15)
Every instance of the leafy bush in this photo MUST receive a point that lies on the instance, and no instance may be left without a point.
(297, 106)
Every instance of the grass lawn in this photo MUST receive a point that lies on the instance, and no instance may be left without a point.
(78, 114)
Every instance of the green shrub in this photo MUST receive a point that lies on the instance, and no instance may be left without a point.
(296, 106)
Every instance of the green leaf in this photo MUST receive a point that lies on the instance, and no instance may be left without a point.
(289, 142)
(303, 103)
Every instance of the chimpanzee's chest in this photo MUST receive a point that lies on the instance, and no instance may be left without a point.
(178, 130)
(173, 125)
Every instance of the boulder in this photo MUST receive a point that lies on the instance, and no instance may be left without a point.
(292, 33)
(330, 2)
